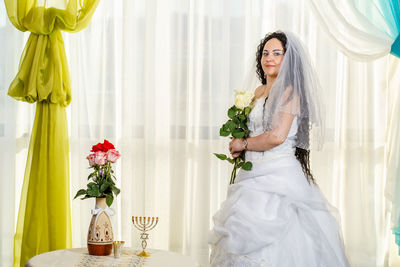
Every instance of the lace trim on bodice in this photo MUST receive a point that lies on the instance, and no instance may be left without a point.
(256, 127)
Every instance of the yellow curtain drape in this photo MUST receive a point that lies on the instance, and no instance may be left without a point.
(44, 219)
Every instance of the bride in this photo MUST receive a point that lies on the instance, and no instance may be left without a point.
(275, 214)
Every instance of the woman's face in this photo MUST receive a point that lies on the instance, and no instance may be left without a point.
(272, 57)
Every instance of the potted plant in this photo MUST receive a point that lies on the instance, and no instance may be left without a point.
(102, 187)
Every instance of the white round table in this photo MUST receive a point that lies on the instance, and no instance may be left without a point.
(79, 257)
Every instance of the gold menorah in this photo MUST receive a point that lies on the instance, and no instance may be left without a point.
(144, 224)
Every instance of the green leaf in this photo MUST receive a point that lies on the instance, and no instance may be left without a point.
(230, 125)
(104, 187)
(231, 161)
(109, 199)
(247, 110)
(90, 193)
(223, 133)
(232, 112)
(240, 164)
(220, 156)
(247, 166)
(94, 191)
(238, 134)
(80, 193)
(242, 117)
(115, 190)
(225, 128)
(91, 175)
(236, 121)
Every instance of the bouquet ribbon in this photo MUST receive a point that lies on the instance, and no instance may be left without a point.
(97, 211)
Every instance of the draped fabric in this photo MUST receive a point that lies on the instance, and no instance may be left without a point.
(43, 74)
(156, 78)
(44, 219)
(385, 15)
(363, 30)
(390, 13)
(368, 30)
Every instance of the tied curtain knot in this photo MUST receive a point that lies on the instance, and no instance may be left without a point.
(43, 73)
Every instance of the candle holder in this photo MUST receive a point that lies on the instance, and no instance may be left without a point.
(144, 224)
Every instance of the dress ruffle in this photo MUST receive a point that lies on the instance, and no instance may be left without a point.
(274, 217)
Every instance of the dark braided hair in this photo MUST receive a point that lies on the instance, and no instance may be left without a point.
(302, 155)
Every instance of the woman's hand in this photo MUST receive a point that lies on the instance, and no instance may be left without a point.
(236, 147)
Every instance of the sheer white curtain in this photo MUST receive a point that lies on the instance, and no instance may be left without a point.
(365, 30)
(392, 154)
(156, 78)
(16, 120)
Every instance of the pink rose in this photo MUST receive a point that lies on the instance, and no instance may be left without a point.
(100, 158)
(113, 155)
(90, 158)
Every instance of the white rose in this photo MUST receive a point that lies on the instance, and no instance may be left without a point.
(243, 98)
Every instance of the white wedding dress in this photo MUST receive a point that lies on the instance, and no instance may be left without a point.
(273, 216)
